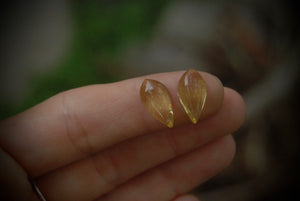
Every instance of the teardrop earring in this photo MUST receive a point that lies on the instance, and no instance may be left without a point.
(192, 94)
(156, 98)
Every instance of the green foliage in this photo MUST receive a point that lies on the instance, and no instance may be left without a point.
(101, 30)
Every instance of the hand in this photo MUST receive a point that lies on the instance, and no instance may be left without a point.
(99, 143)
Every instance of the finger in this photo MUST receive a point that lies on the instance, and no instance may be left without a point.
(178, 176)
(186, 198)
(76, 123)
(106, 170)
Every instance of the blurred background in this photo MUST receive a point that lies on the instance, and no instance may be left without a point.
(252, 46)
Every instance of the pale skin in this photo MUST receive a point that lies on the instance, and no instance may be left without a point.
(98, 143)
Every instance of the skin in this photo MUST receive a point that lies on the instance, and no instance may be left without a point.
(99, 143)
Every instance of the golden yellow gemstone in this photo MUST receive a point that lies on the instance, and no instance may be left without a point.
(192, 94)
(156, 98)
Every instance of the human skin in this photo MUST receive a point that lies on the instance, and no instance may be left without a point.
(99, 143)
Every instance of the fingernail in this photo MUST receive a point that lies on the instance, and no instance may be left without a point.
(156, 98)
(192, 93)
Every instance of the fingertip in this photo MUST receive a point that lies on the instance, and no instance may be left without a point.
(215, 95)
(237, 102)
(229, 147)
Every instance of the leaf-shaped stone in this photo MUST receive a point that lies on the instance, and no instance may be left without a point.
(192, 94)
(156, 98)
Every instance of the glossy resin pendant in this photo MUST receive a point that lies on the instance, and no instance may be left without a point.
(156, 98)
(192, 94)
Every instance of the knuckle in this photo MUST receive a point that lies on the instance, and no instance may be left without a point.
(74, 129)
(107, 169)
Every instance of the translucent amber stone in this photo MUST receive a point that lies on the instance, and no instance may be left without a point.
(157, 100)
(192, 94)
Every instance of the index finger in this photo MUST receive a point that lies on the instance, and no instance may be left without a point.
(79, 122)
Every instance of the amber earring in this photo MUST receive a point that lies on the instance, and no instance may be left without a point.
(156, 98)
(192, 94)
